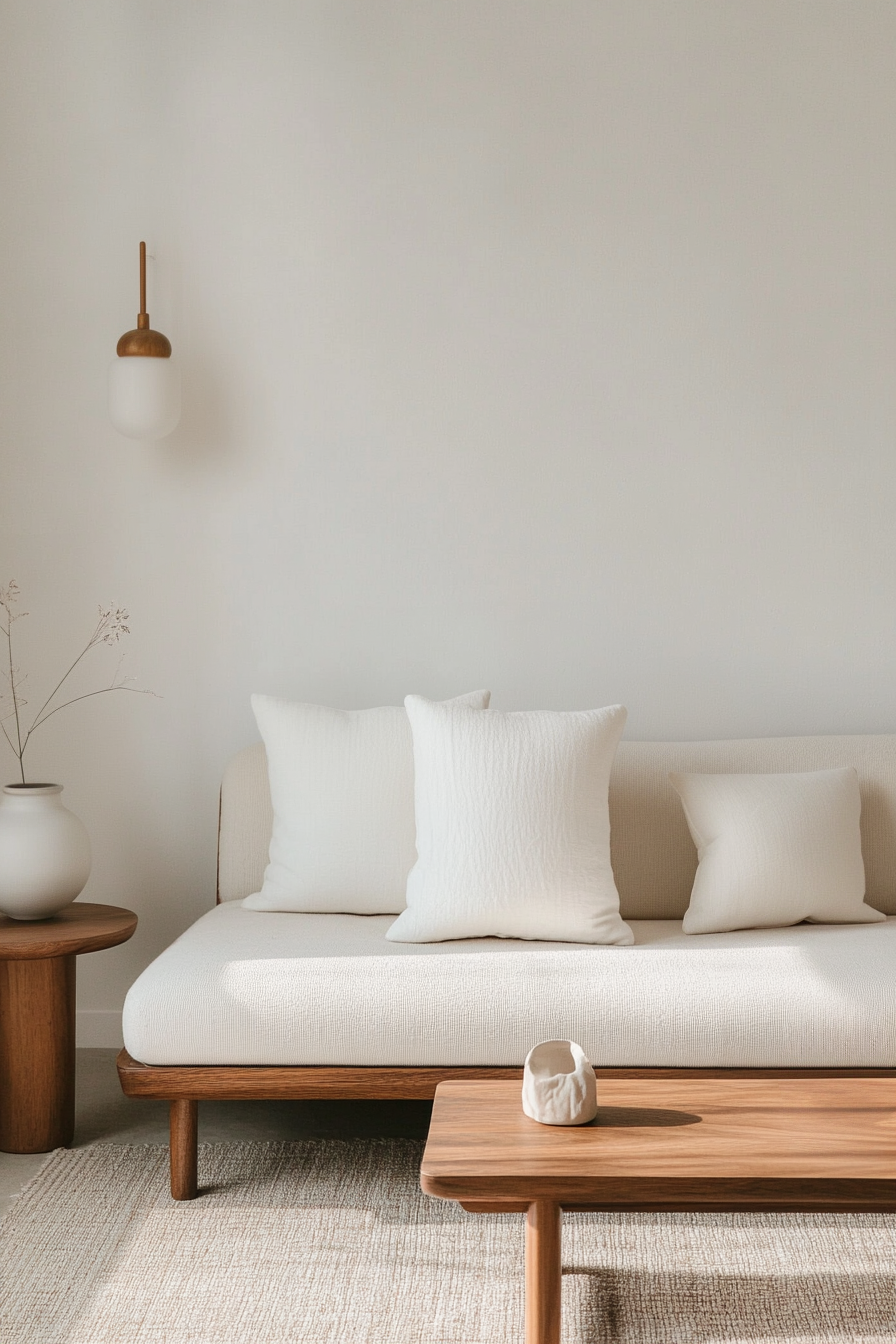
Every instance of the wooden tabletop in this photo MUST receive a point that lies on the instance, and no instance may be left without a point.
(82, 927)
(688, 1143)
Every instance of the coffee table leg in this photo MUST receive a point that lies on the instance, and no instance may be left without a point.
(543, 1273)
(37, 1054)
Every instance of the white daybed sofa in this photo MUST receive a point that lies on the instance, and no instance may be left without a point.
(259, 1005)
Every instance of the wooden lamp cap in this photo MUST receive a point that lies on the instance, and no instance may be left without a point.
(144, 341)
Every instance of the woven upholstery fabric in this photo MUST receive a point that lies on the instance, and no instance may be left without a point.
(332, 1242)
(251, 987)
(654, 857)
(342, 788)
(775, 850)
(513, 830)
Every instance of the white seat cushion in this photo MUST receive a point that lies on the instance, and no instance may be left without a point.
(248, 987)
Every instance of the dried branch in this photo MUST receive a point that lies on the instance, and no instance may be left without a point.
(104, 690)
(110, 627)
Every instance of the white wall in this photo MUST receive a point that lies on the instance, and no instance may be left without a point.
(545, 346)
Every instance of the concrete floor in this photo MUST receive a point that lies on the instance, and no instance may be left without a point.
(104, 1115)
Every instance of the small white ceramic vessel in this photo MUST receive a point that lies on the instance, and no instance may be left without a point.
(559, 1086)
(44, 852)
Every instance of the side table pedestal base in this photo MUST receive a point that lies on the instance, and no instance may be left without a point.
(37, 1054)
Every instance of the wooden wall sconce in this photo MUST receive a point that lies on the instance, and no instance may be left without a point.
(144, 381)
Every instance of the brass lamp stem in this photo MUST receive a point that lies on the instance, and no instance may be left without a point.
(143, 315)
(143, 340)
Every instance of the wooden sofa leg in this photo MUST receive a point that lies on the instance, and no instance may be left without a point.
(184, 1140)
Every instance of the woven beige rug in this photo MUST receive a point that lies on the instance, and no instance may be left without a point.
(331, 1242)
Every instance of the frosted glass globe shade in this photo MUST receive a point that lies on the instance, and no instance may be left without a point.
(144, 395)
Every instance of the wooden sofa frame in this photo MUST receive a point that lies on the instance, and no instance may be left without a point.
(184, 1086)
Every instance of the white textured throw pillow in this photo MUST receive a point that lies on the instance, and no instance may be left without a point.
(342, 789)
(513, 828)
(775, 850)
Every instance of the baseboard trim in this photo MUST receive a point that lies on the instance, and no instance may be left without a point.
(98, 1027)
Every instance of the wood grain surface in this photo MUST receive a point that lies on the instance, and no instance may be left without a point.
(184, 1153)
(688, 1143)
(266, 1082)
(543, 1273)
(37, 1054)
(272, 1082)
(82, 927)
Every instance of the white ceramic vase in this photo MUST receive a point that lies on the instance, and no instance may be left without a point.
(44, 852)
(559, 1086)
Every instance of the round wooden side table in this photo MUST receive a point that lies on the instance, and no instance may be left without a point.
(37, 1019)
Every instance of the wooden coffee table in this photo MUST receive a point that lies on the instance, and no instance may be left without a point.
(37, 1019)
(710, 1144)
